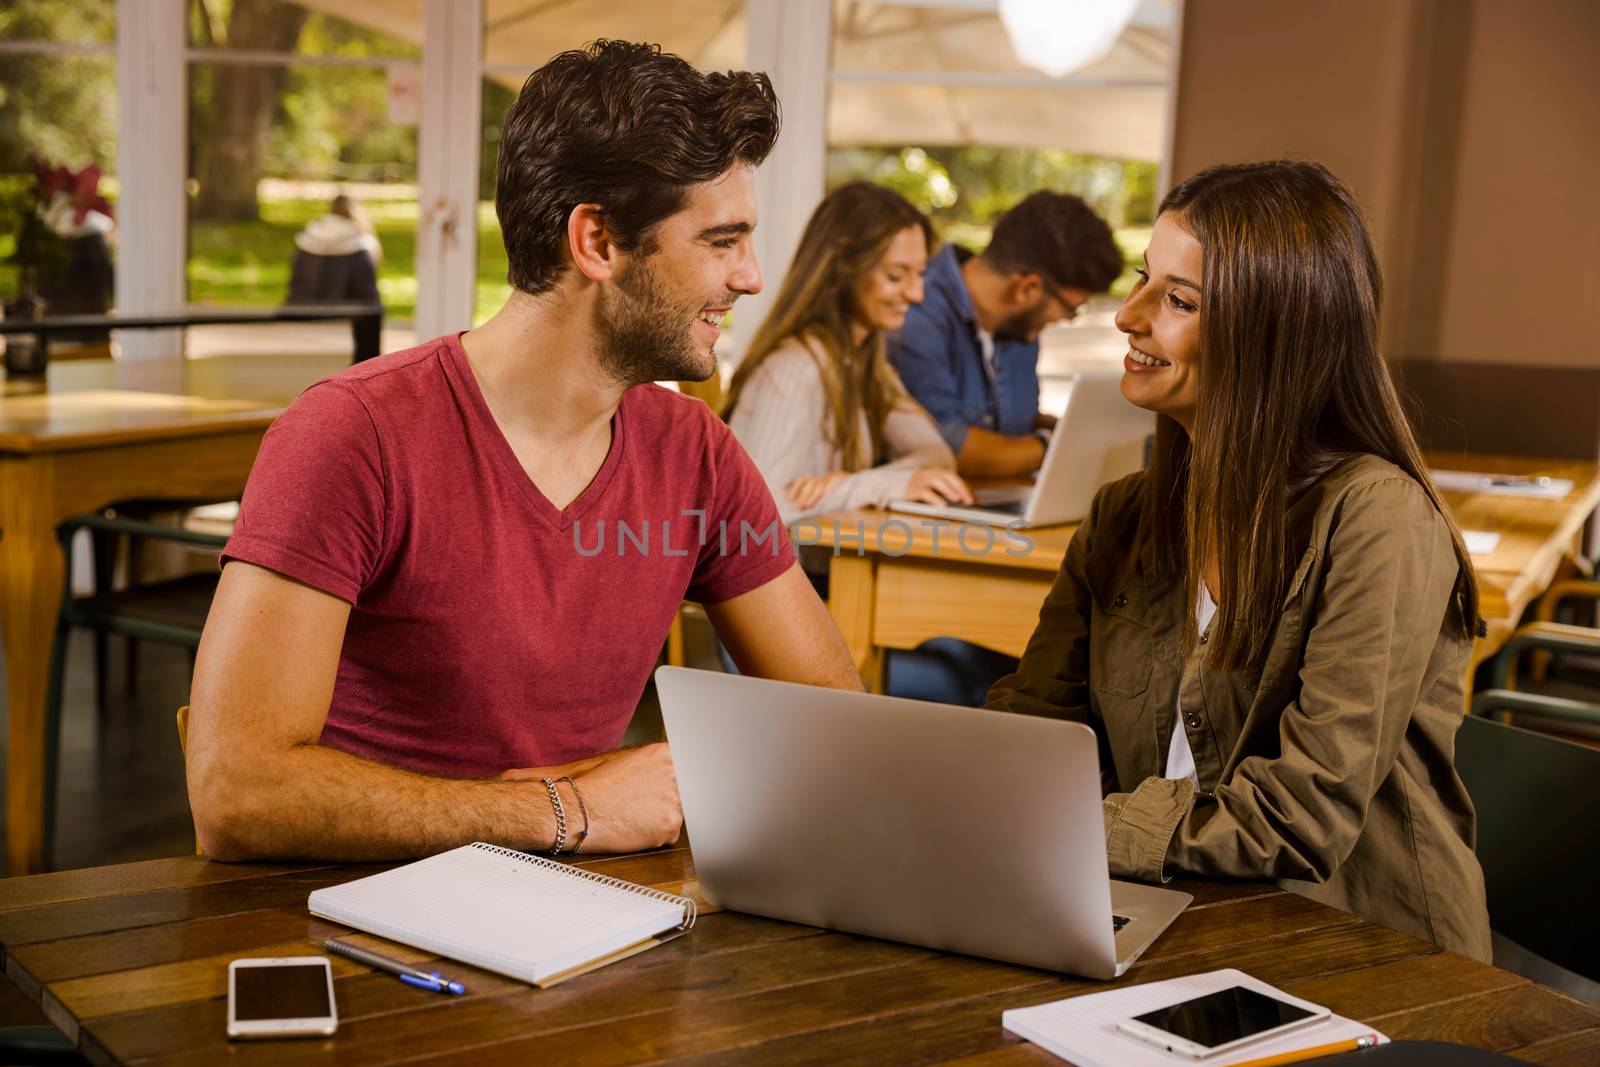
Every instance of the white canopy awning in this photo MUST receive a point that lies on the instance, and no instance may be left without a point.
(934, 73)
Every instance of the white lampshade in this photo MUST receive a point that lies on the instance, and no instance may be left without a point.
(1058, 36)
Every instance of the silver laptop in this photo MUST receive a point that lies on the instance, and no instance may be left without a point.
(1099, 438)
(964, 830)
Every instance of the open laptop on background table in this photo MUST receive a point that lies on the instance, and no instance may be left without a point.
(1099, 438)
(958, 829)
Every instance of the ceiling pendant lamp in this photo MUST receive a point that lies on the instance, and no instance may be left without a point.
(1058, 36)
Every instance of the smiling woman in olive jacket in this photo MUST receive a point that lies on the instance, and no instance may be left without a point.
(1269, 628)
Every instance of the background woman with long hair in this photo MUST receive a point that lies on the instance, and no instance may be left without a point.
(1269, 628)
(815, 401)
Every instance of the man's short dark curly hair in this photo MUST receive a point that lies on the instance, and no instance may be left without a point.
(625, 126)
(1057, 236)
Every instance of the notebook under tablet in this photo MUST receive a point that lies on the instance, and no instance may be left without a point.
(1099, 438)
(964, 830)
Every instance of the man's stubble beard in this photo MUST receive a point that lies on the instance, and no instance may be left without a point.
(645, 336)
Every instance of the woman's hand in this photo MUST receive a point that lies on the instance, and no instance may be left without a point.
(805, 492)
(934, 485)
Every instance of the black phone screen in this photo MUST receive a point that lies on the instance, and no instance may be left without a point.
(1226, 1015)
(290, 991)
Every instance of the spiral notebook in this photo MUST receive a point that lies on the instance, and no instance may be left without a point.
(523, 916)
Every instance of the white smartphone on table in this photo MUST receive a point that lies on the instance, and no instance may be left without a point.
(284, 996)
(1221, 1022)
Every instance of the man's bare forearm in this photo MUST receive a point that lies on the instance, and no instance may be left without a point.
(807, 649)
(317, 803)
(986, 454)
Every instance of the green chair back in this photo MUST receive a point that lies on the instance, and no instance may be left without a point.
(1538, 802)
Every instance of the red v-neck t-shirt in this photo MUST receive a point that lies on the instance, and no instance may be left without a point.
(488, 629)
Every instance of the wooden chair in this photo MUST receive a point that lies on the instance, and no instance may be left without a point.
(1568, 707)
(1554, 607)
(709, 390)
(1549, 605)
(1548, 637)
(1564, 659)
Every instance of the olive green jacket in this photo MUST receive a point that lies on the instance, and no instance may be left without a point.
(1332, 766)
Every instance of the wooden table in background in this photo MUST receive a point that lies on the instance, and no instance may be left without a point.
(894, 586)
(131, 963)
(1536, 536)
(897, 582)
(63, 454)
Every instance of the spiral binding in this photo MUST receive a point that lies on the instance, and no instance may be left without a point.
(690, 908)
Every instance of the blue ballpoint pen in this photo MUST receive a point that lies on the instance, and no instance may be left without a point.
(433, 982)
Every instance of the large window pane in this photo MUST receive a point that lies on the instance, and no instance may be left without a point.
(390, 30)
(271, 145)
(934, 101)
(708, 33)
(64, 21)
(58, 107)
(965, 188)
(493, 289)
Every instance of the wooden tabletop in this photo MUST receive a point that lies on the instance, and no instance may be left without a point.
(1534, 532)
(131, 961)
(64, 421)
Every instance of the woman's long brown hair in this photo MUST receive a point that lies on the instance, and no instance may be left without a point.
(1291, 385)
(845, 237)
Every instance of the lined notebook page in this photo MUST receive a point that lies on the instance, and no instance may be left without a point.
(1083, 1029)
(497, 910)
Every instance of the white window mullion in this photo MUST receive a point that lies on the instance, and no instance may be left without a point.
(152, 156)
(793, 44)
(447, 165)
(1169, 139)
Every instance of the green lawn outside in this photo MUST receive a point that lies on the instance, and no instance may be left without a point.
(8, 273)
(246, 264)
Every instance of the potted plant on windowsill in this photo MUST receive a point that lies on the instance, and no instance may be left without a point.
(62, 257)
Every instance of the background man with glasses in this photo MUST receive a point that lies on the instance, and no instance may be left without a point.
(969, 352)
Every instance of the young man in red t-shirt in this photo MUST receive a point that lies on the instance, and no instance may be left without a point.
(455, 565)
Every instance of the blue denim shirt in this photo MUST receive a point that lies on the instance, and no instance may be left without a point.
(938, 357)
